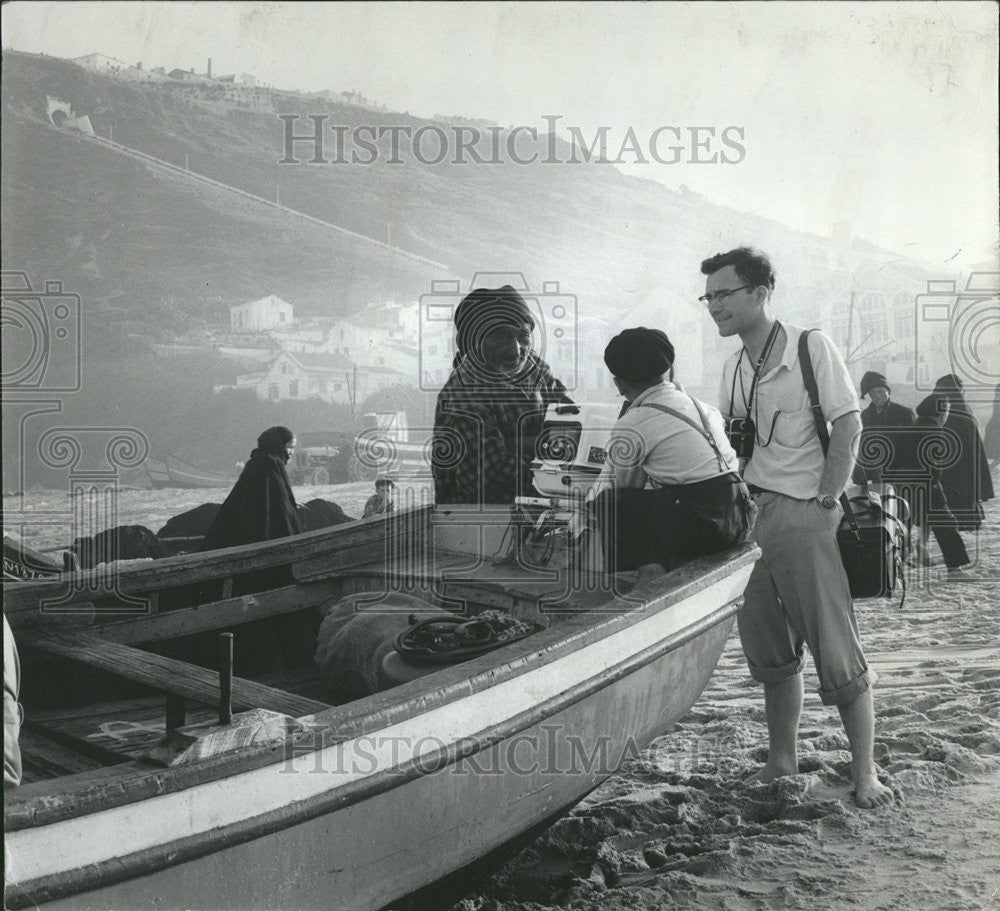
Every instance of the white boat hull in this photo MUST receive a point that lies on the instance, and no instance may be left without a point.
(363, 822)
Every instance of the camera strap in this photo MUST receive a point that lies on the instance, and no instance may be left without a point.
(758, 367)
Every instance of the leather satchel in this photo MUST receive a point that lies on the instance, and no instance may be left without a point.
(872, 538)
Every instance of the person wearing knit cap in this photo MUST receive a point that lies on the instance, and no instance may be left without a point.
(882, 412)
(492, 406)
(879, 441)
(966, 481)
(672, 490)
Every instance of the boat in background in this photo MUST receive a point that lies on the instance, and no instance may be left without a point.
(296, 802)
(172, 472)
(21, 562)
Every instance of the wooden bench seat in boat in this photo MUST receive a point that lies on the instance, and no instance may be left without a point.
(168, 675)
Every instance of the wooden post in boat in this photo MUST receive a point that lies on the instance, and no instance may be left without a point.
(225, 678)
(176, 712)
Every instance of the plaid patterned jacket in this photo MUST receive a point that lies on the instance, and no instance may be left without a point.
(484, 432)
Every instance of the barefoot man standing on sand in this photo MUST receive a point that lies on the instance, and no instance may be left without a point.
(798, 593)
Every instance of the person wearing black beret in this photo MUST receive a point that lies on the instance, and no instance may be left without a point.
(879, 443)
(675, 488)
(492, 406)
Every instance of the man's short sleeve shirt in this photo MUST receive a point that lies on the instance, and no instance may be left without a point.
(787, 456)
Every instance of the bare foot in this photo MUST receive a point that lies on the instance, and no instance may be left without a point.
(870, 793)
(771, 771)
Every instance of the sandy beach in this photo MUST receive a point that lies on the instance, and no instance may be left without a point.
(678, 828)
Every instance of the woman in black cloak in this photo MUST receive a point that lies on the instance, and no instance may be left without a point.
(260, 507)
(967, 480)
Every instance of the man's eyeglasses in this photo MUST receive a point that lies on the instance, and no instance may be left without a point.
(720, 296)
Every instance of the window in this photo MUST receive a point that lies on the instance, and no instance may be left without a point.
(293, 389)
(272, 392)
(284, 369)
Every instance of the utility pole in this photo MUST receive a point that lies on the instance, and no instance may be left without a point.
(185, 161)
(850, 325)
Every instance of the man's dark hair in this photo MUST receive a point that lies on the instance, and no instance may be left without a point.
(752, 266)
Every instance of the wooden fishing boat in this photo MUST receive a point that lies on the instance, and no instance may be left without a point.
(23, 562)
(316, 805)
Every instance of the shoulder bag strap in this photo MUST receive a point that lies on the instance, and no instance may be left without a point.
(704, 431)
(809, 378)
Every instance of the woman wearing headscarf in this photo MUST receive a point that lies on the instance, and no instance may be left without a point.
(261, 505)
(966, 481)
(492, 407)
(920, 485)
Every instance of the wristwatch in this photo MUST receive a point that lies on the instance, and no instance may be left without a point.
(827, 502)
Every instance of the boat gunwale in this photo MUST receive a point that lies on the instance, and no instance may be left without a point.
(32, 805)
(21, 598)
(149, 860)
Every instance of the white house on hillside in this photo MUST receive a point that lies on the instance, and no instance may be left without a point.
(101, 63)
(330, 377)
(269, 312)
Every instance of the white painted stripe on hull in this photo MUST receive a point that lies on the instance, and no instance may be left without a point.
(234, 799)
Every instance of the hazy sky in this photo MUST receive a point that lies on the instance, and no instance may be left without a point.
(874, 119)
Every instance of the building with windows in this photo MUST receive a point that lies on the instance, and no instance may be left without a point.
(298, 376)
(269, 312)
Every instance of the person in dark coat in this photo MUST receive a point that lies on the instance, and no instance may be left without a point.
(261, 505)
(966, 481)
(492, 407)
(991, 436)
(921, 448)
(879, 437)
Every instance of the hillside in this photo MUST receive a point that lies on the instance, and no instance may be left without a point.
(124, 232)
(156, 255)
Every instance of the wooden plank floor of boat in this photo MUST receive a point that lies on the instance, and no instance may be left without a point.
(54, 742)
